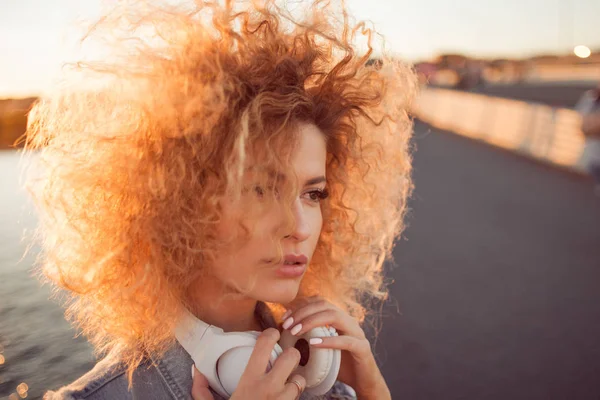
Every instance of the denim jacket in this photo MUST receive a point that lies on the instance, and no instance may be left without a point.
(169, 377)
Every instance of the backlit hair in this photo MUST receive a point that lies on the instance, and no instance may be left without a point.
(132, 170)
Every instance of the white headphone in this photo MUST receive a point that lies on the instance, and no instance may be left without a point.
(222, 356)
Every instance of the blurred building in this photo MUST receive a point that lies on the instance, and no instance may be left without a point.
(462, 72)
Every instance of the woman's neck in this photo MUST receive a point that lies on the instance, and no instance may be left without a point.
(218, 305)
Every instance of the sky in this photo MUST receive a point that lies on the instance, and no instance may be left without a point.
(36, 36)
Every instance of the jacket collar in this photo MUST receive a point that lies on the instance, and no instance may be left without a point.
(175, 367)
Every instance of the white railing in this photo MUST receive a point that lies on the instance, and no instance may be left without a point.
(547, 133)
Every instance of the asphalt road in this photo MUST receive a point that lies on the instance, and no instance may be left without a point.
(555, 94)
(497, 280)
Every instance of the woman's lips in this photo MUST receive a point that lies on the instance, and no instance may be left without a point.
(291, 270)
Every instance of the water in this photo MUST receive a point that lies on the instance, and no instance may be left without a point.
(37, 346)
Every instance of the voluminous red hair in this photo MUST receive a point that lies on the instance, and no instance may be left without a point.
(133, 168)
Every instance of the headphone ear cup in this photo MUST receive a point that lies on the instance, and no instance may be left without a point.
(232, 364)
(276, 352)
(319, 366)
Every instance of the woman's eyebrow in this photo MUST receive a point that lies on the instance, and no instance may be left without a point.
(281, 177)
(309, 182)
(314, 181)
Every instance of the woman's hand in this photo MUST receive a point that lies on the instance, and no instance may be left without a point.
(358, 366)
(256, 383)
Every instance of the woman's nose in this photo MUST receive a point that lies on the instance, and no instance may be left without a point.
(301, 229)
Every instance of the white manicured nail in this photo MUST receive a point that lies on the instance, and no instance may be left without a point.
(193, 372)
(296, 329)
(288, 322)
(315, 340)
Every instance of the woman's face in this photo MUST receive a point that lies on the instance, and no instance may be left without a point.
(256, 258)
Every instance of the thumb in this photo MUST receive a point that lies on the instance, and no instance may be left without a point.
(200, 389)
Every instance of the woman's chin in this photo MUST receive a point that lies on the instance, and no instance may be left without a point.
(280, 292)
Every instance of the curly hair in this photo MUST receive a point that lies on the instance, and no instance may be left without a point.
(133, 168)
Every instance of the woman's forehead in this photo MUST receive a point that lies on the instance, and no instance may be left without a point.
(305, 154)
(304, 174)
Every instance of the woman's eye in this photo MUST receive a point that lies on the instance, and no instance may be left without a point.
(314, 196)
(318, 195)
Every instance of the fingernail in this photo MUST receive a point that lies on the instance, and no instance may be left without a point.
(315, 340)
(193, 372)
(288, 322)
(287, 314)
(296, 329)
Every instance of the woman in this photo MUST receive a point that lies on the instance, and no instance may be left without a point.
(222, 144)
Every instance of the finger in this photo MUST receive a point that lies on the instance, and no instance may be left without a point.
(285, 364)
(359, 348)
(293, 390)
(300, 302)
(259, 359)
(200, 390)
(342, 322)
(304, 310)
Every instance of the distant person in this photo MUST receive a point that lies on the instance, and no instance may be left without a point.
(589, 107)
(238, 179)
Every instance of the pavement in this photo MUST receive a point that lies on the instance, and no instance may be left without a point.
(496, 291)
